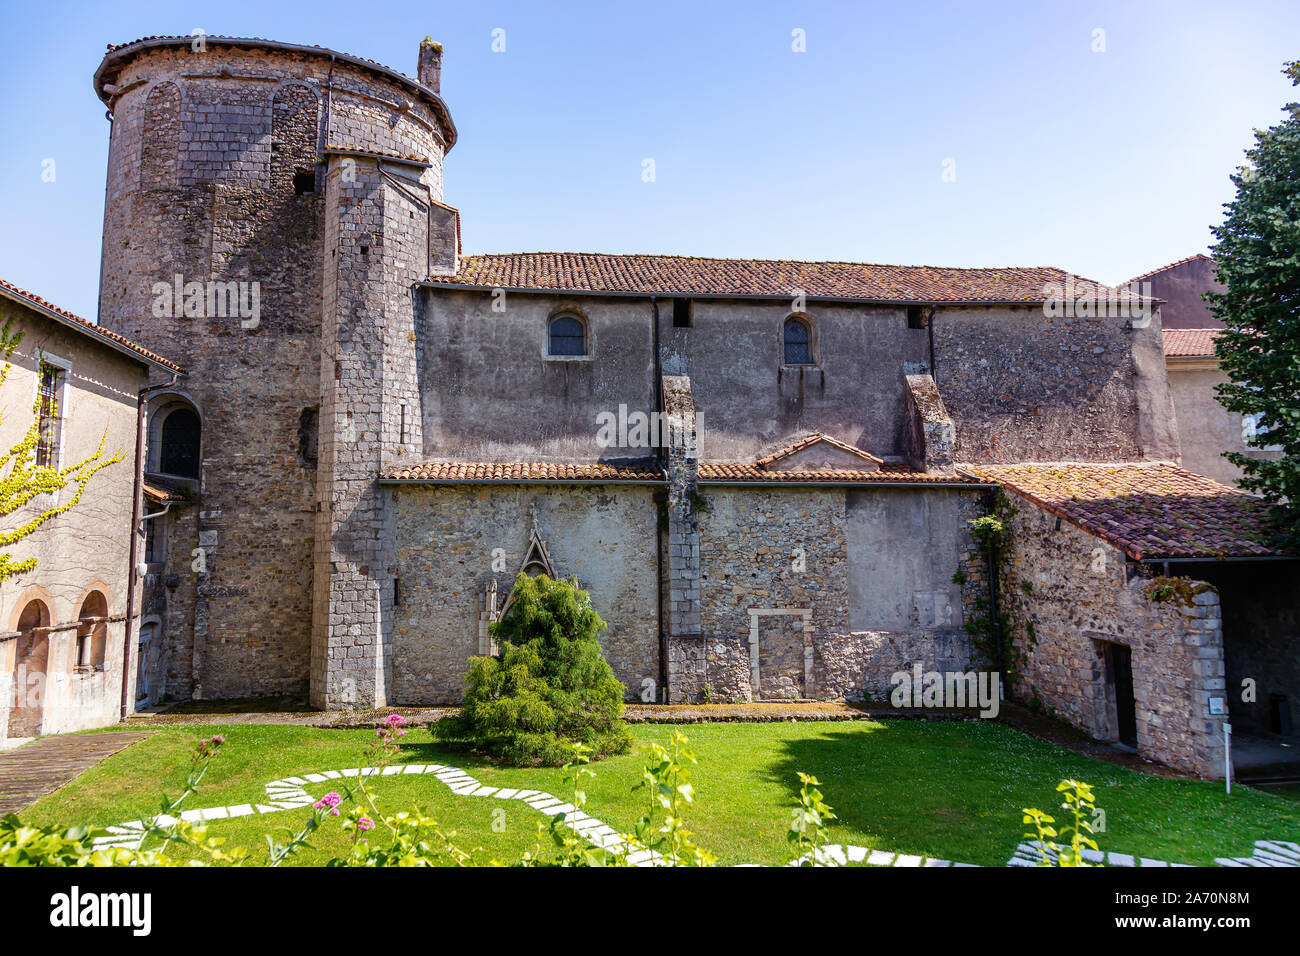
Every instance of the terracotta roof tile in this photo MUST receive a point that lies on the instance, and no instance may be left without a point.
(808, 441)
(725, 472)
(599, 272)
(95, 331)
(162, 491)
(1190, 343)
(457, 472)
(1150, 510)
(468, 471)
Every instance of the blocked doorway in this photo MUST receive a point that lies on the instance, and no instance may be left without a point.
(780, 653)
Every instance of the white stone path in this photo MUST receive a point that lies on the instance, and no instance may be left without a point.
(290, 793)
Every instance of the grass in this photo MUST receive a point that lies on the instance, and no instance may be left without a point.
(952, 790)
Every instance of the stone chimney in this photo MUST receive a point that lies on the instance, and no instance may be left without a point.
(430, 68)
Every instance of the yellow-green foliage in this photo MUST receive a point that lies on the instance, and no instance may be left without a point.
(22, 480)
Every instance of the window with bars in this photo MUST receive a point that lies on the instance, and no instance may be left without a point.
(49, 428)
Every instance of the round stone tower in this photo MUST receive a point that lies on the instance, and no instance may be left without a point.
(269, 208)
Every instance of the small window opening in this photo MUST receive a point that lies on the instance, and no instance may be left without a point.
(304, 182)
(51, 422)
(566, 336)
(365, 250)
(683, 313)
(798, 342)
(308, 429)
(180, 444)
(915, 317)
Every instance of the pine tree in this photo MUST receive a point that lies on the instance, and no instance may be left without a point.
(1258, 252)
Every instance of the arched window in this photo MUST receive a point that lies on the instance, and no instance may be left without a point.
(798, 342)
(179, 454)
(92, 632)
(566, 336)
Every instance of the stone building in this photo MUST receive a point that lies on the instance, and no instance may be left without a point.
(64, 626)
(763, 471)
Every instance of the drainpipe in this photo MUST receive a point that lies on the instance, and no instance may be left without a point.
(137, 490)
(659, 538)
(934, 372)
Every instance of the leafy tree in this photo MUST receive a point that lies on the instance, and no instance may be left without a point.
(22, 479)
(549, 688)
(1258, 252)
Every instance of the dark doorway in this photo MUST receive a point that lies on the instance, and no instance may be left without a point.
(1121, 669)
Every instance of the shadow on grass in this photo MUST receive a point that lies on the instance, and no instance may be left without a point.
(950, 790)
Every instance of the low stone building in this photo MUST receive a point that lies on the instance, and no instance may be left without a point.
(66, 655)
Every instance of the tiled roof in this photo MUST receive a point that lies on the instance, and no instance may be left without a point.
(376, 154)
(642, 472)
(727, 472)
(1182, 261)
(90, 328)
(1150, 510)
(808, 441)
(599, 272)
(1190, 343)
(458, 471)
(162, 491)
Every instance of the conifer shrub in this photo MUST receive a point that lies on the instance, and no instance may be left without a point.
(550, 686)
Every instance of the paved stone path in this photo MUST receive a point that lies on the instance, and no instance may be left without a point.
(290, 793)
(44, 765)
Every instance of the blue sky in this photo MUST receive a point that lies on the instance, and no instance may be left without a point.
(1106, 163)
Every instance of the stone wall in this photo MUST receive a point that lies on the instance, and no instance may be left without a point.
(1022, 386)
(446, 538)
(866, 574)
(1068, 594)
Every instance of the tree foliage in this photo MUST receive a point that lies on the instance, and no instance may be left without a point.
(22, 479)
(1258, 253)
(549, 688)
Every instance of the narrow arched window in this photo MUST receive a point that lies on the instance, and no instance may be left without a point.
(566, 336)
(180, 444)
(798, 342)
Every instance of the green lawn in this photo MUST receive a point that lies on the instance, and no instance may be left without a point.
(951, 790)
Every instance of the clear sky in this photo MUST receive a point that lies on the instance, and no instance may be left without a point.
(1105, 163)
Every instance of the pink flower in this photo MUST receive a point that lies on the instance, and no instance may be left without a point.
(395, 721)
(365, 823)
(329, 802)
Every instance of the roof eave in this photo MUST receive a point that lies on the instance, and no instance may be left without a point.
(121, 53)
(90, 331)
(765, 296)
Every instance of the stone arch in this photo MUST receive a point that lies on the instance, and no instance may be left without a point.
(295, 110)
(92, 631)
(175, 442)
(160, 136)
